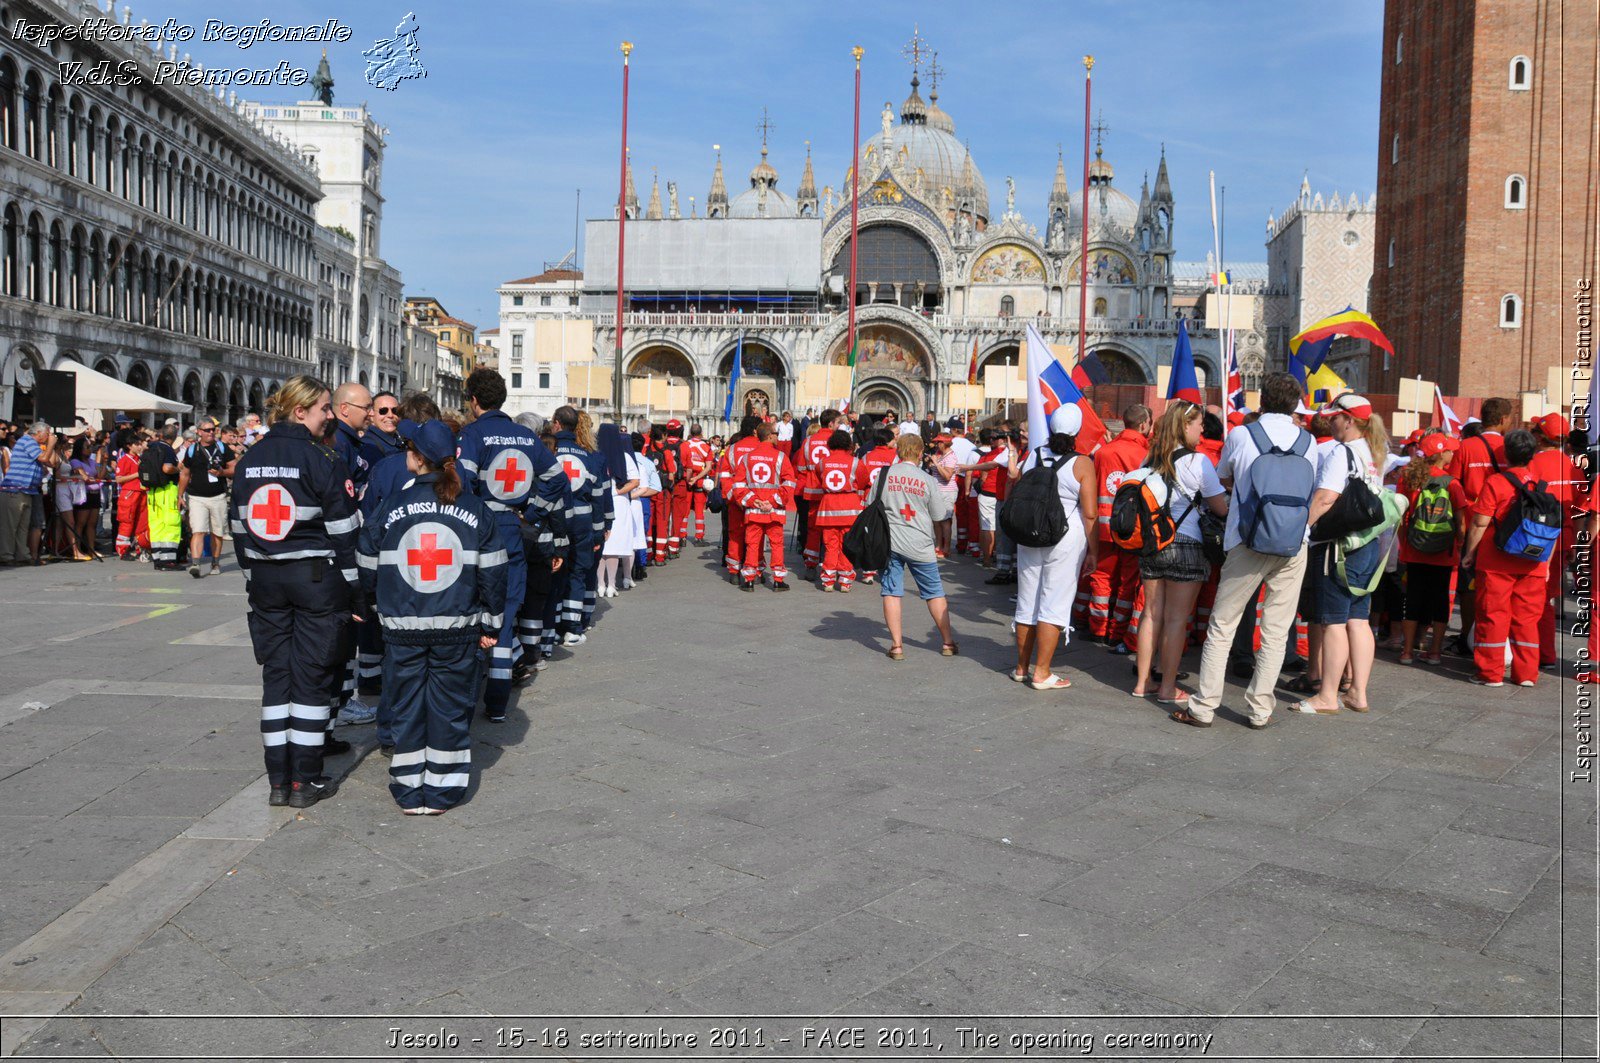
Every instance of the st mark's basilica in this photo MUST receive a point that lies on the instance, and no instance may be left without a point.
(940, 268)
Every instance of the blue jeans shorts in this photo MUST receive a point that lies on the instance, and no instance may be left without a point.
(925, 573)
(1331, 601)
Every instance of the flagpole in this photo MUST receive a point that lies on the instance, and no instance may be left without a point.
(622, 224)
(1083, 259)
(1227, 281)
(855, 218)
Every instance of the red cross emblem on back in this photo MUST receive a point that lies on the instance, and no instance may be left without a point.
(510, 476)
(270, 512)
(907, 513)
(429, 556)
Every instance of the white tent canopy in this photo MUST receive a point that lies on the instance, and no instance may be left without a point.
(100, 396)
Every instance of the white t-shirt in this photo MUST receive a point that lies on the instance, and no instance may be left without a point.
(1334, 466)
(1196, 477)
(909, 428)
(1239, 452)
(785, 431)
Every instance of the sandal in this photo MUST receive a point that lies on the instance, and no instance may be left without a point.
(1182, 716)
(1303, 685)
(1312, 710)
(1406, 658)
(896, 653)
(1181, 699)
(949, 649)
(1055, 682)
(1018, 677)
(1358, 708)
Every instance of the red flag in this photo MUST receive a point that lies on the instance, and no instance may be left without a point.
(972, 367)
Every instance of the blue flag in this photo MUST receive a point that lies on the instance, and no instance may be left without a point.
(1184, 383)
(733, 379)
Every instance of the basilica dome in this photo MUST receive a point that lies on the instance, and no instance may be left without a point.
(924, 141)
(762, 199)
(1106, 204)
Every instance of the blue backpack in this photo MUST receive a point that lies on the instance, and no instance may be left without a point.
(1532, 524)
(1274, 512)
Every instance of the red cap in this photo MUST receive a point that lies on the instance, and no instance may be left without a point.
(1552, 426)
(942, 438)
(1414, 438)
(1236, 418)
(1351, 403)
(1439, 442)
(674, 423)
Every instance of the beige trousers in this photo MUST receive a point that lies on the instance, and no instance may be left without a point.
(1242, 572)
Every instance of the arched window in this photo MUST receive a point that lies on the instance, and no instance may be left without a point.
(1516, 192)
(1510, 312)
(1521, 73)
(1394, 149)
(1100, 307)
(1391, 252)
(1399, 48)
(1008, 306)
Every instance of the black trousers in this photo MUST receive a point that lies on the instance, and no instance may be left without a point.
(536, 619)
(299, 613)
(432, 694)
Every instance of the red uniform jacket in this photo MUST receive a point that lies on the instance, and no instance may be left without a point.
(729, 471)
(1473, 466)
(762, 474)
(812, 451)
(1566, 483)
(873, 460)
(1112, 462)
(840, 475)
(697, 456)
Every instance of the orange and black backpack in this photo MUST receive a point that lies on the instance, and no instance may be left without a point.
(1139, 523)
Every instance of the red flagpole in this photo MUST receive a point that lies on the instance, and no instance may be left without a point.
(855, 215)
(1083, 259)
(622, 225)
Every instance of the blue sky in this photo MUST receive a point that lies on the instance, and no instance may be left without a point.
(520, 106)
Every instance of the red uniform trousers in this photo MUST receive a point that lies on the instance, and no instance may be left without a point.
(755, 533)
(1202, 607)
(835, 566)
(1555, 591)
(967, 524)
(133, 523)
(735, 539)
(1113, 588)
(678, 519)
(660, 526)
(813, 548)
(696, 506)
(1509, 608)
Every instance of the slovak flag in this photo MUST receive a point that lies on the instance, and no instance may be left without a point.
(1050, 387)
(1443, 416)
(1184, 383)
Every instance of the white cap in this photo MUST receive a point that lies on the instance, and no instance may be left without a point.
(1305, 411)
(1067, 420)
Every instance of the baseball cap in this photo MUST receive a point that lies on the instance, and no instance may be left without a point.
(943, 437)
(121, 418)
(1552, 426)
(1438, 443)
(1067, 420)
(1351, 403)
(954, 422)
(1413, 439)
(1236, 418)
(432, 439)
(674, 423)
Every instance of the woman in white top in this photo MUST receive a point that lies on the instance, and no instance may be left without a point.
(1047, 576)
(1173, 577)
(626, 534)
(1343, 617)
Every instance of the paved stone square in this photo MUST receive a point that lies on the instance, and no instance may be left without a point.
(735, 805)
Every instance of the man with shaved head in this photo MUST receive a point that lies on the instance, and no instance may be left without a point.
(352, 410)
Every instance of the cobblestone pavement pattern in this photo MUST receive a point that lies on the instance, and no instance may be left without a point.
(735, 804)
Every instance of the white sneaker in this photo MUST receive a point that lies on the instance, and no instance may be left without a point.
(541, 663)
(574, 639)
(356, 712)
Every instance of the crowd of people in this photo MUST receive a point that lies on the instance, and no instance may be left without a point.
(405, 564)
(1289, 539)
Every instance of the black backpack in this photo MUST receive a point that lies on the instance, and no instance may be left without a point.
(1357, 508)
(1531, 528)
(866, 544)
(1033, 514)
(151, 475)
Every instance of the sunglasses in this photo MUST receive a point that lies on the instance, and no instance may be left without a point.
(384, 411)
